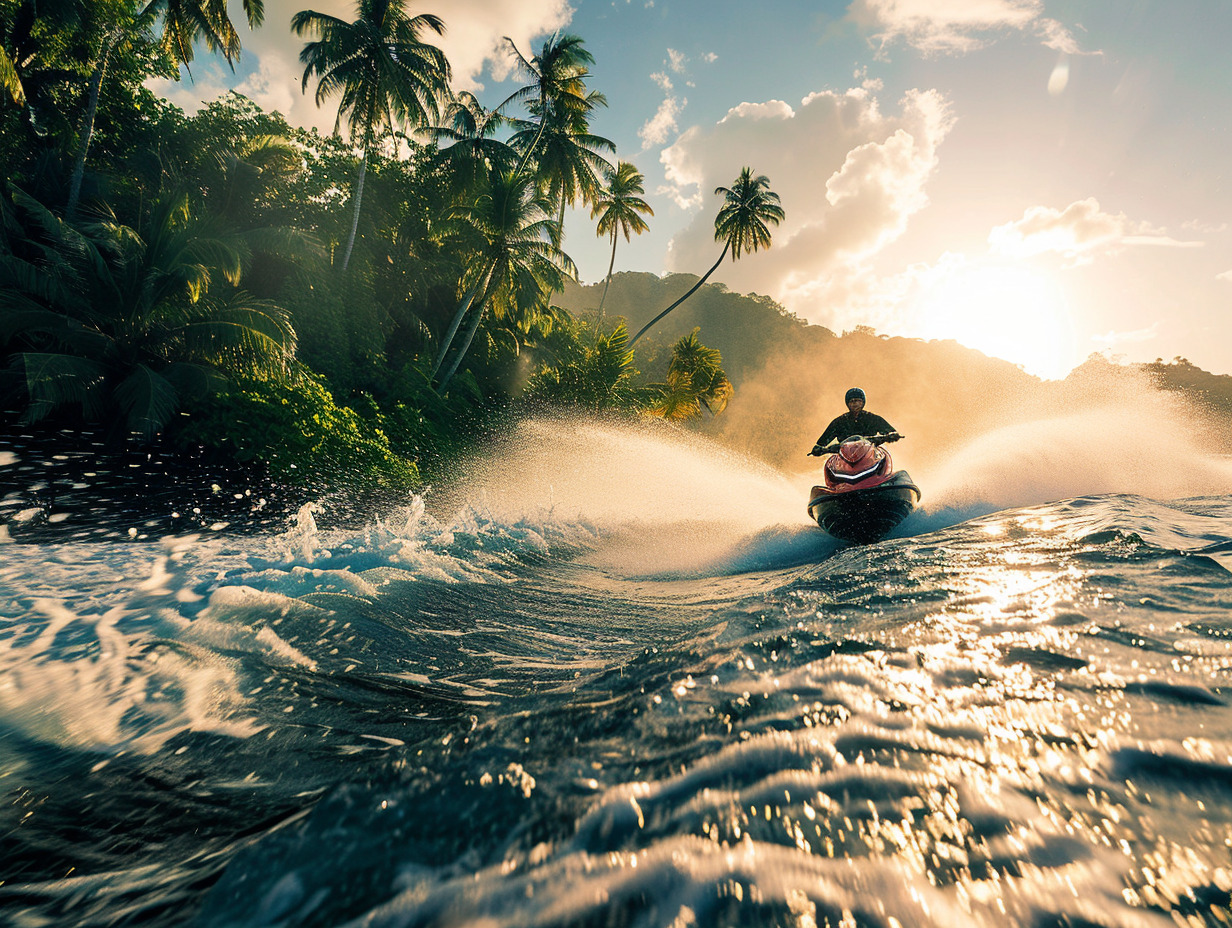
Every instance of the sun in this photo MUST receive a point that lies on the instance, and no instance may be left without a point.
(1009, 311)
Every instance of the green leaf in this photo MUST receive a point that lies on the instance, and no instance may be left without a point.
(54, 380)
(10, 80)
(147, 399)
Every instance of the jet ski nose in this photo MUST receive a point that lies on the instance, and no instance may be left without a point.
(853, 452)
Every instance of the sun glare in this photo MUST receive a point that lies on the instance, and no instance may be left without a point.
(1007, 311)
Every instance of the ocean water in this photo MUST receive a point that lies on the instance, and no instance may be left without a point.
(611, 678)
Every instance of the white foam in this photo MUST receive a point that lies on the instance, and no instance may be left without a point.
(84, 681)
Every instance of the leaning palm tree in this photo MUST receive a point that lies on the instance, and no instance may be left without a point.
(176, 26)
(516, 268)
(617, 208)
(386, 77)
(748, 206)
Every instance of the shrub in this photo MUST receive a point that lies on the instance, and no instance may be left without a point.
(300, 434)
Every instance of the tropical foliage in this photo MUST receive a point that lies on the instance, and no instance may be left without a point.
(297, 430)
(368, 297)
(126, 322)
(592, 370)
(168, 28)
(695, 380)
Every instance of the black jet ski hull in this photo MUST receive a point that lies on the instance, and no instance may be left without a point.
(867, 514)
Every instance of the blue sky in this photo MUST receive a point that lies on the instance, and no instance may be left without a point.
(1039, 179)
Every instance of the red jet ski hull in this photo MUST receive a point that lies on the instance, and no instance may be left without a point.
(864, 514)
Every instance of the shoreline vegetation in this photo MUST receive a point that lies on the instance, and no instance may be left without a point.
(359, 308)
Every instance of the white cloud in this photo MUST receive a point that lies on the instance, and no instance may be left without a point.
(710, 57)
(659, 128)
(676, 60)
(662, 124)
(473, 42)
(1226, 275)
(208, 81)
(1077, 232)
(956, 26)
(849, 178)
(476, 30)
(1204, 228)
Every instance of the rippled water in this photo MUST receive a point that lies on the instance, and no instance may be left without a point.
(641, 696)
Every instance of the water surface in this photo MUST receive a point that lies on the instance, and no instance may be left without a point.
(646, 696)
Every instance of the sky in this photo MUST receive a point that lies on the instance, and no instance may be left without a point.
(1038, 179)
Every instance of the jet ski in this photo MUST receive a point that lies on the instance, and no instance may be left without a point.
(864, 497)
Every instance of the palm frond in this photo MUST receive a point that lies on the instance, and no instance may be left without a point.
(55, 380)
(147, 399)
(10, 80)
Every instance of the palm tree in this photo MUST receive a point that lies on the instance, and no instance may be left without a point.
(741, 225)
(617, 208)
(385, 75)
(694, 379)
(469, 136)
(568, 162)
(556, 84)
(515, 269)
(183, 24)
(128, 323)
(557, 137)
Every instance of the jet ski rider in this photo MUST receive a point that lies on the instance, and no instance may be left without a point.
(855, 421)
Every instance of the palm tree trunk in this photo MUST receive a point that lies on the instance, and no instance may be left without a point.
(458, 316)
(484, 297)
(683, 298)
(611, 264)
(466, 344)
(87, 128)
(359, 198)
(543, 121)
(467, 298)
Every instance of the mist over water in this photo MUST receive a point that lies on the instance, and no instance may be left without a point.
(1111, 449)
(611, 676)
(666, 503)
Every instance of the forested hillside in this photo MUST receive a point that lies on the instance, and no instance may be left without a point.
(790, 376)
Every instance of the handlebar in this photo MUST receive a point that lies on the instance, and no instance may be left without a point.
(879, 439)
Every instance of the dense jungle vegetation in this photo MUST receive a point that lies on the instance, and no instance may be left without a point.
(362, 303)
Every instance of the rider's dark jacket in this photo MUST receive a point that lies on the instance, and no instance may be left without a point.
(862, 423)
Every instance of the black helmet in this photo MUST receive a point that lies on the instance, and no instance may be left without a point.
(855, 393)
